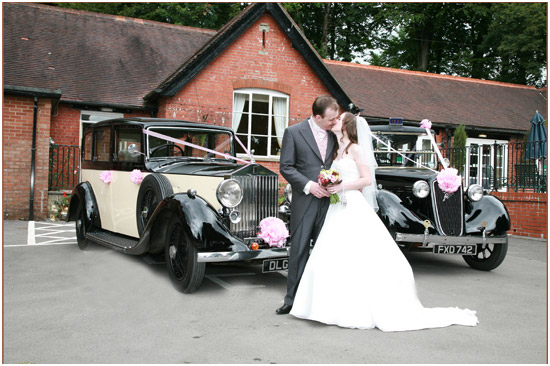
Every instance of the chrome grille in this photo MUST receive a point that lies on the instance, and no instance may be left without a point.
(260, 200)
(449, 210)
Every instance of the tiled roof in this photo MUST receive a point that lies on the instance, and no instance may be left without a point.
(385, 92)
(94, 58)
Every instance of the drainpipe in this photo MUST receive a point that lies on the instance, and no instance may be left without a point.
(33, 155)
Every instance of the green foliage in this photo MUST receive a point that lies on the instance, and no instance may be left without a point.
(459, 150)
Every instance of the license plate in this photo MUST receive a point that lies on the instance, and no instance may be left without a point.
(274, 265)
(470, 249)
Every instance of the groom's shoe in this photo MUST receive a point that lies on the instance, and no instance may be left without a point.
(285, 309)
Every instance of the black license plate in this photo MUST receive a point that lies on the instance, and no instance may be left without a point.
(469, 249)
(274, 265)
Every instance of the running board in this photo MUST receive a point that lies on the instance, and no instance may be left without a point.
(111, 240)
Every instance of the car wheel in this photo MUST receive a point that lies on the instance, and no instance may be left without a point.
(181, 260)
(488, 257)
(80, 226)
(153, 189)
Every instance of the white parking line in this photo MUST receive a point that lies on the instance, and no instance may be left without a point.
(30, 234)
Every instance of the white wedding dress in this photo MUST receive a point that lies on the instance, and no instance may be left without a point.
(357, 277)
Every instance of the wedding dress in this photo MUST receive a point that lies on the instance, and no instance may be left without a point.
(357, 277)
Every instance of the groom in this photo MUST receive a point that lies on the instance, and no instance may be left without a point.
(307, 149)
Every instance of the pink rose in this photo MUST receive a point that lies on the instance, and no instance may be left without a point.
(448, 180)
(136, 176)
(105, 176)
(273, 231)
(426, 123)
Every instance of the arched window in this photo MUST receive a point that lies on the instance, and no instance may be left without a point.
(260, 117)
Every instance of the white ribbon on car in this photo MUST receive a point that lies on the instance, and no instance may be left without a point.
(178, 141)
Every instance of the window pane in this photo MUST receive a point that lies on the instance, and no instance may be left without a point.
(275, 148)
(259, 124)
(259, 145)
(102, 143)
(125, 138)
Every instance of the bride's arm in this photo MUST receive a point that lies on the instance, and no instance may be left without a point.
(364, 174)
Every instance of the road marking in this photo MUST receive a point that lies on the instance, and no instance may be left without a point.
(30, 234)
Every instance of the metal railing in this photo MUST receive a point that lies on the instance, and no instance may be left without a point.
(514, 166)
(64, 170)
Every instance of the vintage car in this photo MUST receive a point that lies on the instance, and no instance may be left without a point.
(420, 216)
(175, 190)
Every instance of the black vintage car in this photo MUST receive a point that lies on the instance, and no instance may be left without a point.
(420, 216)
(176, 189)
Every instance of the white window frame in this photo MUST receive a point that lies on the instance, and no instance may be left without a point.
(96, 116)
(490, 142)
(270, 134)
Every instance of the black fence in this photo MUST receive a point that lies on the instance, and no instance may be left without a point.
(516, 166)
(64, 167)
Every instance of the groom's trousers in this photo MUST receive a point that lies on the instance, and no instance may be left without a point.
(307, 231)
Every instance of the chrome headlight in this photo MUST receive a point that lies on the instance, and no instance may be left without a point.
(288, 193)
(229, 193)
(475, 192)
(421, 189)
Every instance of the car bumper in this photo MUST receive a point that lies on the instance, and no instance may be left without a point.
(429, 240)
(214, 257)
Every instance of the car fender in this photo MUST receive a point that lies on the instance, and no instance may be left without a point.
(397, 217)
(203, 225)
(489, 211)
(83, 195)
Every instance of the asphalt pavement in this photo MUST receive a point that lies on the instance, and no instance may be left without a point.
(64, 305)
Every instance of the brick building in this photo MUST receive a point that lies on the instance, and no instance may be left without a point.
(257, 74)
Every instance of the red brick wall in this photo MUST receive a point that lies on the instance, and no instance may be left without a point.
(17, 129)
(528, 212)
(66, 125)
(209, 96)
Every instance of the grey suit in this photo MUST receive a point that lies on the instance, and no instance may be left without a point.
(301, 162)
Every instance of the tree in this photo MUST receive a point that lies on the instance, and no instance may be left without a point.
(459, 148)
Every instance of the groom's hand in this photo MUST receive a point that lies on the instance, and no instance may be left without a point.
(318, 191)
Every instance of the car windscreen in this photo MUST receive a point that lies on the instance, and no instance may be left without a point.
(406, 145)
(218, 141)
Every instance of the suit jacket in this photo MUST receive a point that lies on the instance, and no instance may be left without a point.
(301, 162)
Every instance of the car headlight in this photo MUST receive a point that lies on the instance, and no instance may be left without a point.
(475, 192)
(421, 189)
(229, 193)
(288, 193)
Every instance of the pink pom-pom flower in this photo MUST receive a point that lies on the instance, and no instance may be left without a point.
(273, 231)
(448, 180)
(105, 176)
(426, 123)
(136, 176)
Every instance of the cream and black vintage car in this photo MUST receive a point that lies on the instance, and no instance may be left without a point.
(177, 189)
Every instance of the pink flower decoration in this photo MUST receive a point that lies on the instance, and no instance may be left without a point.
(448, 180)
(426, 123)
(105, 176)
(136, 176)
(273, 231)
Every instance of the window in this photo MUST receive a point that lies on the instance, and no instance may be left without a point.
(210, 139)
(486, 160)
(88, 146)
(259, 120)
(102, 143)
(125, 137)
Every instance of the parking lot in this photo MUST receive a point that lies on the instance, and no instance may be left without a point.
(64, 305)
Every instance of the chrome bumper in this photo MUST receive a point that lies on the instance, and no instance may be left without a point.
(427, 239)
(213, 257)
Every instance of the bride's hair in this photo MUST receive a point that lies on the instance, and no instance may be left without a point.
(349, 125)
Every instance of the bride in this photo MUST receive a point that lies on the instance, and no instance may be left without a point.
(356, 276)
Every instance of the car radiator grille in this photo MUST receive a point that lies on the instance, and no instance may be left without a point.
(260, 200)
(449, 210)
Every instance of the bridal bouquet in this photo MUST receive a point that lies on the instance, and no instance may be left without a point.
(328, 177)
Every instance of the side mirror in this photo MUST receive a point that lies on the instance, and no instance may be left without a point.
(133, 150)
